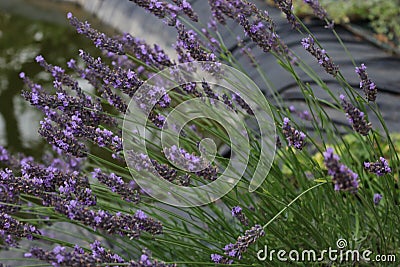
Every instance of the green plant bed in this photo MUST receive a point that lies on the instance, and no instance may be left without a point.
(362, 17)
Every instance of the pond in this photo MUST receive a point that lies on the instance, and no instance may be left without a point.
(27, 29)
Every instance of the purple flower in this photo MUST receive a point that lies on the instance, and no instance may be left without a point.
(168, 11)
(240, 101)
(11, 230)
(216, 258)
(145, 260)
(122, 224)
(188, 40)
(243, 242)
(77, 257)
(366, 84)
(294, 137)
(286, 7)
(140, 215)
(319, 11)
(261, 34)
(343, 178)
(191, 163)
(152, 55)
(237, 212)
(125, 80)
(116, 184)
(380, 167)
(356, 117)
(320, 54)
(377, 198)
(99, 39)
(3, 154)
(39, 59)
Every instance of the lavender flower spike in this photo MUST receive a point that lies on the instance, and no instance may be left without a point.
(99, 39)
(356, 117)
(366, 84)
(99, 256)
(381, 167)
(319, 11)
(286, 7)
(377, 198)
(243, 242)
(12, 229)
(293, 136)
(116, 184)
(237, 212)
(343, 178)
(320, 54)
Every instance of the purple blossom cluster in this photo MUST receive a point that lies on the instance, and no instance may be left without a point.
(11, 230)
(191, 163)
(151, 56)
(70, 120)
(377, 198)
(104, 89)
(89, 111)
(62, 162)
(125, 80)
(99, 256)
(240, 101)
(187, 9)
(122, 224)
(343, 178)
(380, 167)
(243, 242)
(257, 24)
(70, 194)
(3, 154)
(294, 137)
(61, 80)
(9, 199)
(143, 162)
(189, 47)
(238, 213)
(40, 181)
(320, 54)
(65, 132)
(99, 39)
(128, 191)
(154, 98)
(319, 11)
(259, 33)
(366, 84)
(287, 8)
(356, 117)
(167, 11)
(231, 9)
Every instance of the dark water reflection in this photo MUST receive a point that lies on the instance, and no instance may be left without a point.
(27, 30)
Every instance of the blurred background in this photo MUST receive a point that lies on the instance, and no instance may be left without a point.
(27, 29)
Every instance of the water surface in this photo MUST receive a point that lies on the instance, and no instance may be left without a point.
(29, 28)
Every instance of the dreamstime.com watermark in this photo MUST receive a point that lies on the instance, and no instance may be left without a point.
(338, 254)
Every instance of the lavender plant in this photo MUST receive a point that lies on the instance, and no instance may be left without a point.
(317, 190)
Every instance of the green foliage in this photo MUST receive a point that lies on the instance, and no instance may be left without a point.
(383, 16)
